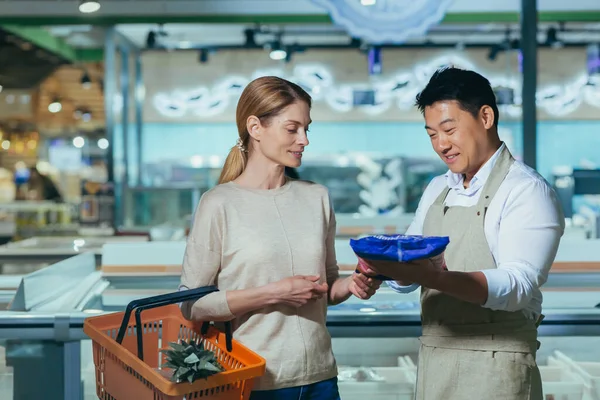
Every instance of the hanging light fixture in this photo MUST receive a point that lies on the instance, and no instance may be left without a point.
(78, 142)
(103, 143)
(88, 6)
(86, 81)
(277, 52)
(55, 106)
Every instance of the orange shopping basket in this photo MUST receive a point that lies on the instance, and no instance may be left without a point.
(128, 362)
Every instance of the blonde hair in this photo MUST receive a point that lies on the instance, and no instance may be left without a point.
(264, 98)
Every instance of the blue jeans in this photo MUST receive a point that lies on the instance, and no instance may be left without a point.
(324, 390)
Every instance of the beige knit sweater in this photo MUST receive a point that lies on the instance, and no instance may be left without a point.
(243, 238)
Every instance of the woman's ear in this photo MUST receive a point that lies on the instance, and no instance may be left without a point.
(253, 127)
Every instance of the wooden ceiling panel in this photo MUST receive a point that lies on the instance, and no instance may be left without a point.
(66, 86)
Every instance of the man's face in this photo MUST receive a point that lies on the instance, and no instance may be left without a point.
(461, 140)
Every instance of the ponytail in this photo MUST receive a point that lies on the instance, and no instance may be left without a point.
(234, 165)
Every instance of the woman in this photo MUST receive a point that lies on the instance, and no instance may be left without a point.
(39, 187)
(267, 242)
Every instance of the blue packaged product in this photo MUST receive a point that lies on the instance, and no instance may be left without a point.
(403, 248)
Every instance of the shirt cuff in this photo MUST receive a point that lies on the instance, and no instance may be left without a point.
(396, 287)
(499, 284)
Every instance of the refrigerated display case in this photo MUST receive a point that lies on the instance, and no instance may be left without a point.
(44, 250)
(33, 218)
(46, 316)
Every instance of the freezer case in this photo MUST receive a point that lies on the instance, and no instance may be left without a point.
(375, 342)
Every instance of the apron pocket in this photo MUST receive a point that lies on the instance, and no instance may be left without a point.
(509, 375)
(496, 375)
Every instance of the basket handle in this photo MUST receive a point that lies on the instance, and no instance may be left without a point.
(163, 300)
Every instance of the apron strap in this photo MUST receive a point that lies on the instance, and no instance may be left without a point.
(499, 172)
(501, 168)
(439, 201)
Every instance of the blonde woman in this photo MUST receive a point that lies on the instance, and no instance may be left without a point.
(267, 242)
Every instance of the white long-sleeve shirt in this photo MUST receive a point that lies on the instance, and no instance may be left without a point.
(523, 227)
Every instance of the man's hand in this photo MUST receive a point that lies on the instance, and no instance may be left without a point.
(362, 286)
(423, 272)
(432, 273)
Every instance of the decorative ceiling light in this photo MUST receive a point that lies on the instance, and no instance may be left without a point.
(86, 81)
(86, 115)
(277, 52)
(397, 90)
(386, 21)
(78, 142)
(55, 106)
(103, 143)
(88, 6)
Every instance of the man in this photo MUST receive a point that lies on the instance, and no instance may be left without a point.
(481, 303)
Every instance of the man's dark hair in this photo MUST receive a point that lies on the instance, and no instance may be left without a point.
(471, 90)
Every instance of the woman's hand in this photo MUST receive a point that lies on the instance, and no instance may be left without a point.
(362, 286)
(298, 290)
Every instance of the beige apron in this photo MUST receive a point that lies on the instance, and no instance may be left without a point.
(469, 352)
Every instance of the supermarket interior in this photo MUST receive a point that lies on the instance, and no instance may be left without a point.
(117, 115)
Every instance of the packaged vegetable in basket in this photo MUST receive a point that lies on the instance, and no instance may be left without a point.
(191, 361)
(403, 248)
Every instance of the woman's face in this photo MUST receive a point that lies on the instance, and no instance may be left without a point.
(283, 139)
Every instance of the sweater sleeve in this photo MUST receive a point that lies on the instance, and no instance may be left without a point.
(202, 263)
(331, 266)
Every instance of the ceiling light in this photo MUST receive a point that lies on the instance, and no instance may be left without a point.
(103, 143)
(151, 39)
(197, 161)
(277, 54)
(277, 51)
(494, 51)
(214, 161)
(203, 56)
(88, 6)
(551, 36)
(368, 2)
(250, 38)
(55, 106)
(86, 81)
(78, 142)
(86, 116)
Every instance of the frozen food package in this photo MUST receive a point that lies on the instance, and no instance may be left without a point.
(402, 248)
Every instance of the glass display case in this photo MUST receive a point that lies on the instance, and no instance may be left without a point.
(359, 184)
(375, 342)
(24, 219)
